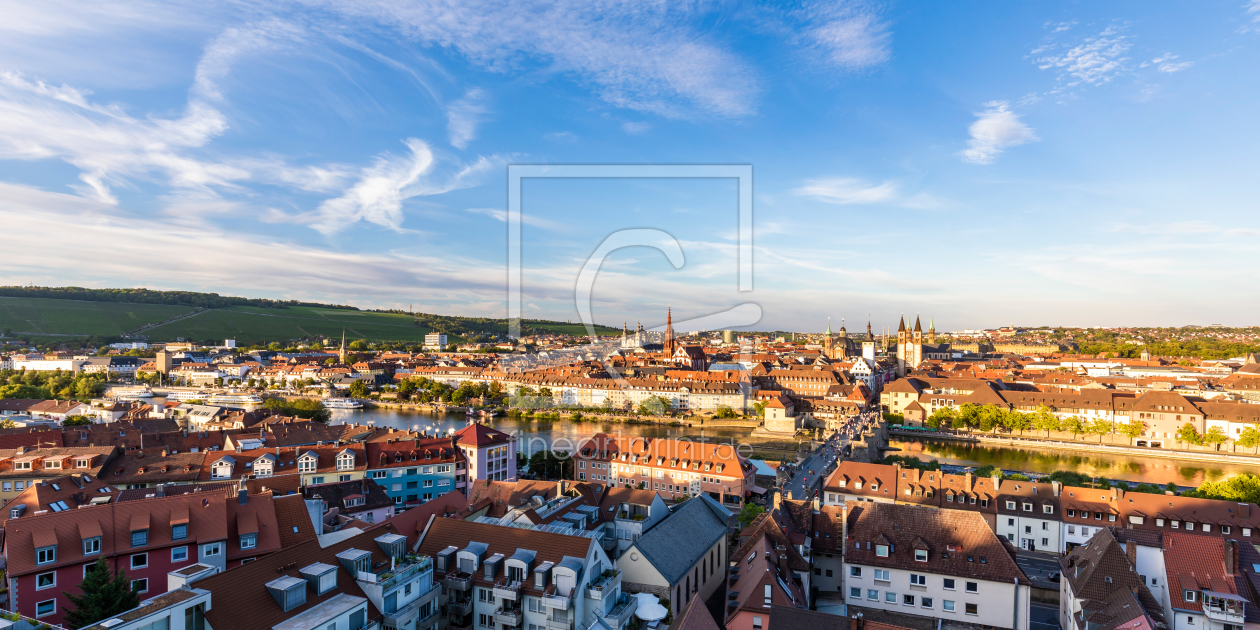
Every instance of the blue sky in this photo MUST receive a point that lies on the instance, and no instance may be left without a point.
(985, 164)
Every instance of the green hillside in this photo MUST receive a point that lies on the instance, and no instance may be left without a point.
(73, 317)
(249, 325)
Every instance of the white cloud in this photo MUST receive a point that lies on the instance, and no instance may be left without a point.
(527, 219)
(847, 190)
(1096, 60)
(464, 115)
(566, 137)
(382, 187)
(996, 129)
(641, 56)
(853, 41)
(1166, 63)
(220, 54)
(636, 128)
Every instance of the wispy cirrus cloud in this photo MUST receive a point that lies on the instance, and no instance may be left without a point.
(996, 129)
(464, 115)
(640, 56)
(1168, 63)
(378, 194)
(847, 191)
(852, 40)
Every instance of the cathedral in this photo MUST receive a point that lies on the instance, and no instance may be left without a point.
(911, 349)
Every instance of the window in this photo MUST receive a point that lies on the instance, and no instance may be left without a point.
(139, 560)
(306, 464)
(343, 477)
(918, 580)
(91, 546)
(1189, 596)
(249, 541)
(907, 600)
(212, 549)
(948, 584)
(379, 474)
(855, 592)
(890, 597)
(973, 587)
(45, 580)
(881, 551)
(855, 572)
(1047, 509)
(972, 609)
(315, 481)
(140, 586)
(925, 602)
(140, 538)
(179, 554)
(872, 595)
(881, 575)
(1010, 505)
(756, 622)
(179, 532)
(920, 555)
(45, 555)
(45, 608)
(947, 605)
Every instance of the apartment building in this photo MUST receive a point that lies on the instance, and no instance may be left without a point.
(1101, 587)
(489, 454)
(315, 464)
(25, 466)
(859, 481)
(511, 578)
(414, 472)
(1086, 510)
(1029, 514)
(673, 468)
(51, 553)
(937, 563)
(366, 582)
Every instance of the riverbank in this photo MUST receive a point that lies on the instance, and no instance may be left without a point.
(1039, 443)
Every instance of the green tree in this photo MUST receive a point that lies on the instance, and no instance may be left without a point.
(1017, 421)
(943, 417)
(1249, 438)
(1132, 429)
(76, 421)
(359, 389)
(724, 411)
(748, 513)
(1099, 427)
(1044, 420)
(654, 406)
(1072, 424)
(104, 596)
(1216, 436)
(1189, 435)
(1244, 488)
(24, 391)
(358, 345)
(6, 423)
(968, 416)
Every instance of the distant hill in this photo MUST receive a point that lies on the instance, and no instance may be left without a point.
(49, 313)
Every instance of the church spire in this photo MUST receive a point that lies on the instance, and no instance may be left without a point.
(901, 324)
(342, 354)
(828, 332)
(917, 326)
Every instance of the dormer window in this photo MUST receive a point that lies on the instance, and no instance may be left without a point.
(82, 463)
(920, 555)
(45, 555)
(139, 538)
(91, 545)
(249, 541)
(179, 532)
(306, 463)
(1190, 596)
(881, 551)
(21, 465)
(345, 461)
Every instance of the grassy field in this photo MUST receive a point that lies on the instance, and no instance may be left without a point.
(258, 325)
(45, 319)
(72, 317)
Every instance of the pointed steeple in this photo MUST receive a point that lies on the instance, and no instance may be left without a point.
(342, 354)
(901, 324)
(869, 336)
(932, 324)
(828, 332)
(917, 326)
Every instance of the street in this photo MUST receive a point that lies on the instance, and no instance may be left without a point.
(811, 472)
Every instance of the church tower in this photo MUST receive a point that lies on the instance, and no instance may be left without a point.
(932, 330)
(342, 354)
(667, 338)
(828, 342)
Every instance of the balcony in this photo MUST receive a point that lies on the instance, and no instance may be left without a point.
(457, 581)
(458, 608)
(1223, 610)
(608, 542)
(507, 589)
(605, 585)
(508, 616)
(552, 598)
(555, 623)
(400, 618)
(621, 612)
(403, 573)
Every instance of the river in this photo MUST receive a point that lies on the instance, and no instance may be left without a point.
(1131, 468)
(534, 435)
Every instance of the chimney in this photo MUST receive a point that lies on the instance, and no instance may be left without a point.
(1231, 556)
(242, 494)
(1130, 550)
(774, 504)
(783, 564)
(817, 504)
(967, 481)
(1056, 487)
